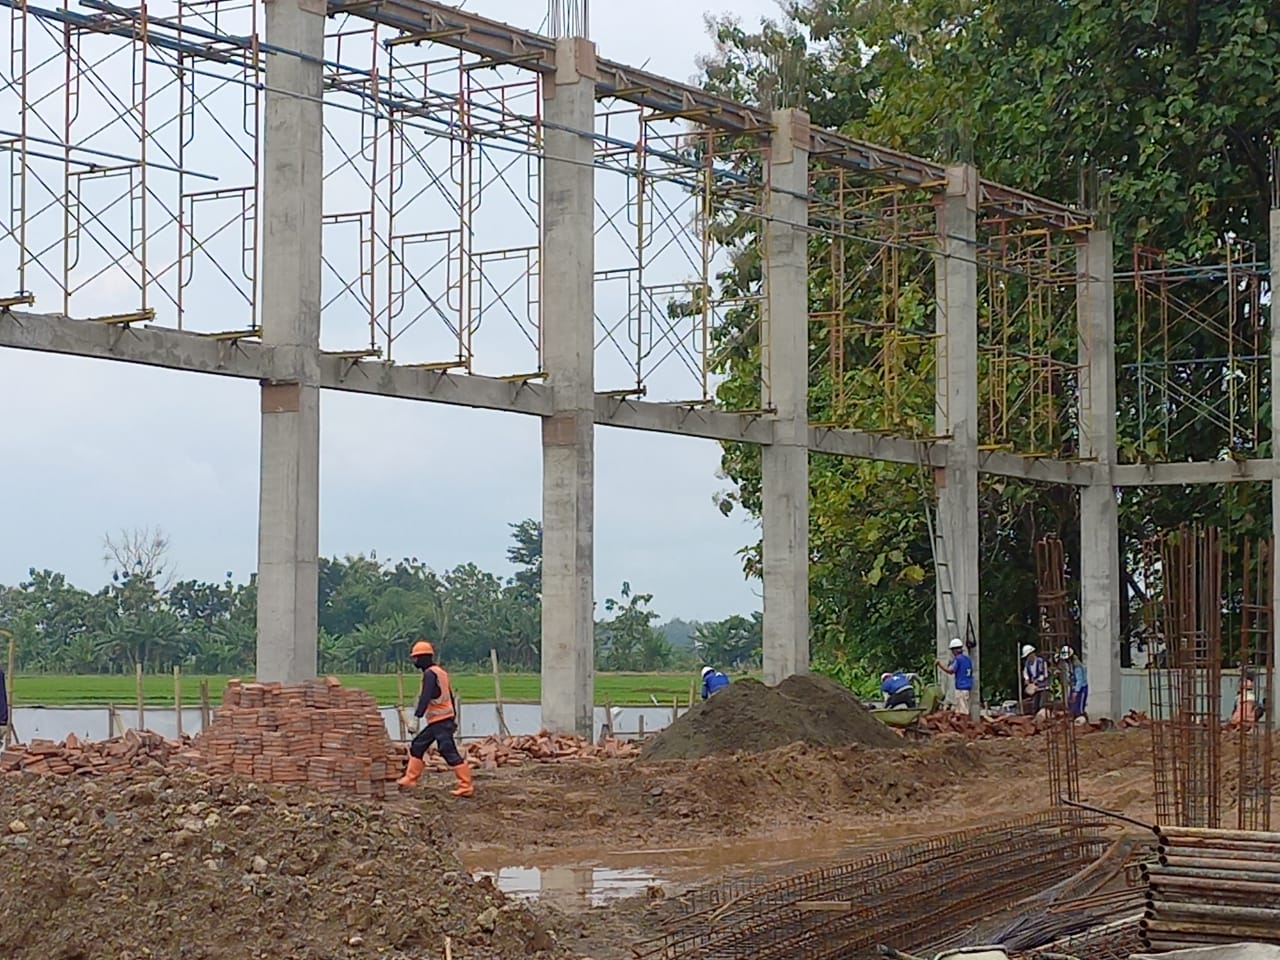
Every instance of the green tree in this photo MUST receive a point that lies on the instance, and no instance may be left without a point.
(629, 640)
(1176, 102)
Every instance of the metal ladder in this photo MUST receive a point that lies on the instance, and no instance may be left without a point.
(941, 571)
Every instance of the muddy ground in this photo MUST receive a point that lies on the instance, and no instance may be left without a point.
(181, 864)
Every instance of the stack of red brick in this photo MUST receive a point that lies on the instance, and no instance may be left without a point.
(493, 752)
(314, 732)
(89, 758)
(1014, 725)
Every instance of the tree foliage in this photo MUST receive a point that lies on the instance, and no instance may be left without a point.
(1175, 102)
(369, 612)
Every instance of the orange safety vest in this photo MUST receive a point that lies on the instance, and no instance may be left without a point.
(441, 708)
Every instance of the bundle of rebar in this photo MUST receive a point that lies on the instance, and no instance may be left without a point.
(1055, 633)
(1212, 887)
(906, 898)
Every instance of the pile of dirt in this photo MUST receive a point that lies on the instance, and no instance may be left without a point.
(751, 717)
(193, 867)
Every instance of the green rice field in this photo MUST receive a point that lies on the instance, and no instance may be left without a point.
(619, 689)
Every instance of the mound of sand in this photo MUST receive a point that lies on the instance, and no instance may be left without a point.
(750, 717)
(184, 866)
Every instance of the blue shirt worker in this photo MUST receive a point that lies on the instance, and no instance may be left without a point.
(1077, 682)
(897, 689)
(1035, 678)
(960, 667)
(712, 680)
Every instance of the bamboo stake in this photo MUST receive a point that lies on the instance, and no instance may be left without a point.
(640, 735)
(503, 730)
(675, 709)
(142, 716)
(10, 735)
(692, 691)
(177, 696)
(206, 711)
(404, 723)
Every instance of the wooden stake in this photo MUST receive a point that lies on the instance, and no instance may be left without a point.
(9, 735)
(606, 728)
(206, 713)
(404, 723)
(675, 709)
(142, 715)
(448, 948)
(640, 735)
(177, 696)
(503, 731)
(692, 691)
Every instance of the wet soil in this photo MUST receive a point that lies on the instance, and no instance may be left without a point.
(181, 864)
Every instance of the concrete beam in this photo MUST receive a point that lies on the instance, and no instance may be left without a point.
(784, 343)
(683, 420)
(148, 346)
(568, 433)
(291, 207)
(956, 533)
(1100, 571)
(998, 463)
(1189, 474)
(435, 386)
(875, 446)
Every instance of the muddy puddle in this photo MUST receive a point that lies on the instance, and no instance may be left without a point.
(587, 877)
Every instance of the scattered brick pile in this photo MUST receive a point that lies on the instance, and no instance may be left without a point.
(989, 728)
(493, 752)
(315, 732)
(90, 758)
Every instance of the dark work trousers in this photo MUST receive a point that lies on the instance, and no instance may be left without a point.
(441, 734)
(1035, 702)
(906, 697)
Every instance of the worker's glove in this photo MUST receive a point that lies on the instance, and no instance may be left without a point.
(415, 724)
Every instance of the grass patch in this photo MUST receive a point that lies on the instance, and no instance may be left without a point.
(620, 689)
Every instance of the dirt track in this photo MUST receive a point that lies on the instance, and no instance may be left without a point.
(107, 867)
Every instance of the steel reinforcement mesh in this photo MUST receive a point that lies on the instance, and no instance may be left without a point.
(908, 897)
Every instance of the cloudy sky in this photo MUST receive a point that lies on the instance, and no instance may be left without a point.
(93, 447)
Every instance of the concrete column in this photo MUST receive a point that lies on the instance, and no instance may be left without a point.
(784, 352)
(292, 195)
(568, 325)
(1275, 431)
(1099, 511)
(957, 396)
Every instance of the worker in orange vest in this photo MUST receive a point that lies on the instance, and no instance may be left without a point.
(435, 702)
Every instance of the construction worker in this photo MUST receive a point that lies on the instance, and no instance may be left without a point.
(960, 667)
(435, 702)
(897, 689)
(1246, 712)
(1077, 682)
(1035, 678)
(712, 680)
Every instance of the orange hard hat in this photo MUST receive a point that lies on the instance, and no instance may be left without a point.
(422, 647)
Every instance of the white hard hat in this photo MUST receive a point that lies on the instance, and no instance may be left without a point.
(956, 643)
(1027, 650)
(706, 670)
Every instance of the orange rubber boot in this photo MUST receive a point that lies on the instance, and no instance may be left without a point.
(463, 772)
(413, 773)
